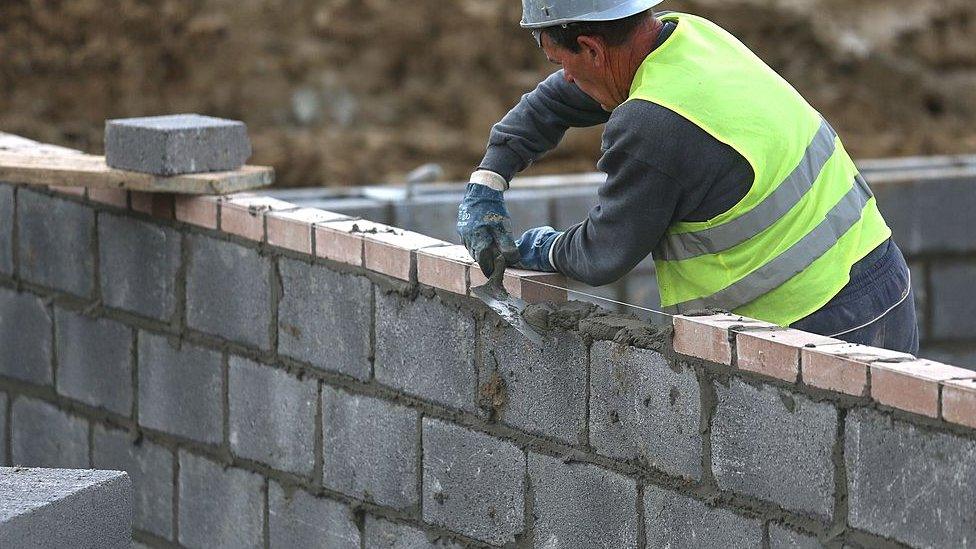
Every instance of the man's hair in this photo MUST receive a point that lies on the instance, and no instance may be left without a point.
(614, 33)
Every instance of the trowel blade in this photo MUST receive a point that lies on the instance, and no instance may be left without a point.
(509, 308)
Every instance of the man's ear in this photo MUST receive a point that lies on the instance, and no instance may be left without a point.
(593, 48)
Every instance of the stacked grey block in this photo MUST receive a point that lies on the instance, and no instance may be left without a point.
(55, 237)
(94, 361)
(6, 228)
(219, 506)
(44, 436)
(297, 519)
(25, 337)
(176, 144)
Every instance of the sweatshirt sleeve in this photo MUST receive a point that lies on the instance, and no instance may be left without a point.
(537, 123)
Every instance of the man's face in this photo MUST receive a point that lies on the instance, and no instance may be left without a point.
(588, 69)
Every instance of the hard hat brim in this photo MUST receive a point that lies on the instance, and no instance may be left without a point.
(617, 12)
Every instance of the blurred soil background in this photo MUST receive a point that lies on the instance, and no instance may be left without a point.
(344, 92)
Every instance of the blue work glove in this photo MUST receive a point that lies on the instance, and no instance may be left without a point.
(534, 249)
(483, 224)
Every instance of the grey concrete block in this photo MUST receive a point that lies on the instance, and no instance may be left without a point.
(953, 316)
(3, 429)
(783, 538)
(673, 520)
(150, 467)
(228, 291)
(175, 144)
(644, 408)
(438, 366)
(43, 436)
(434, 215)
(55, 242)
(272, 416)
(6, 228)
(541, 389)
(528, 208)
(94, 361)
(366, 208)
(581, 505)
(572, 205)
(219, 507)
(138, 262)
(54, 508)
(908, 483)
(25, 337)
(179, 389)
(776, 446)
(928, 216)
(297, 519)
(383, 534)
(369, 448)
(963, 356)
(324, 318)
(473, 483)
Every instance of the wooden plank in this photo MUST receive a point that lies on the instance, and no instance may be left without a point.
(85, 170)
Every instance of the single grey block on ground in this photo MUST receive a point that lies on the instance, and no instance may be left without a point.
(138, 262)
(25, 337)
(542, 389)
(219, 507)
(94, 361)
(913, 485)
(272, 416)
(775, 446)
(383, 534)
(953, 316)
(228, 291)
(324, 318)
(150, 467)
(781, 537)
(298, 519)
(176, 144)
(676, 521)
(179, 389)
(369, 448)
(644, 408)
(581, 505)
(473, 483)
(44, 436)
(6, 228)
(55, 242)
(55, 508)
(438, 367)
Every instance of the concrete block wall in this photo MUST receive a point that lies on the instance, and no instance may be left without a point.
(265, 395)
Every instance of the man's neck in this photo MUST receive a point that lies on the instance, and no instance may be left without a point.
(628, 58)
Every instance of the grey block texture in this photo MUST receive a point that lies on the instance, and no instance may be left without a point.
(928, 216)
(783, 538)
(138, 263)
(55, 242)
(439, 368)
(297, 519)
(644, 408)
(94, 361)
(324, 318)
(44, 436)
(543, 388)
(369, 448)
(6, 228)
(581, 505)
(179, 389)
(953, 317)
(176, 144)
(910, 484)
(775, 446)
(219, 507)
(383, 534)
(150, 467)
(434, 215)
(676, 521)
(55, 508)
(25, 337)
(228, 291)
(3, 428)
(272, 416)
(473, 483)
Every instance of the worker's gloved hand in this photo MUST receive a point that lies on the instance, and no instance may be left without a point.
(483, 224)
(534, 249)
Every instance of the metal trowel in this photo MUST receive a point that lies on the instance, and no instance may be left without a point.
(507, 306)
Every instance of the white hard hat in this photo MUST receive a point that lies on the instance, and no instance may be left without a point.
(537, 14)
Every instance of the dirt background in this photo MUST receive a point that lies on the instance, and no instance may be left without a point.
(341, 92)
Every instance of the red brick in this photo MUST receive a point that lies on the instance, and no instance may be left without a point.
(392, 253)
(197, 210)
(75, 191)
(913, 386)
(842, 367)
(342, 241)
(108, 195)
(243, 214)
(959, 402)
(707, 337)
(292, 229)
(534, 286)
(775, 353)
(444, 267)
(159, 205)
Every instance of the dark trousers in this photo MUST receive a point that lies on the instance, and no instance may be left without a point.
(877, 306)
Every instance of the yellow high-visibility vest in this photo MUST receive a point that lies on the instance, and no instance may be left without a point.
(787, 247)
